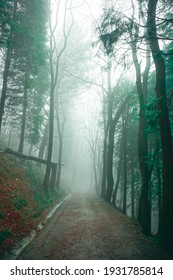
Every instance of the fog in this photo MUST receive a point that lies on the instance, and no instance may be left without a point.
(81, 105)
(86, 95)
(78, 169)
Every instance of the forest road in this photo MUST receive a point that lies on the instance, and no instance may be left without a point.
(87, 228)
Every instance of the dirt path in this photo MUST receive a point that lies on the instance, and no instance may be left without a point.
(86, 227)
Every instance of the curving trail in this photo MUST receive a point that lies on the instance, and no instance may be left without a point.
(85, 228)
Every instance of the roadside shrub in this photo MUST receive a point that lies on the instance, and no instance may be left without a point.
(41, 200)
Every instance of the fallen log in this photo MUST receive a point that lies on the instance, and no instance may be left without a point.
(12, 152)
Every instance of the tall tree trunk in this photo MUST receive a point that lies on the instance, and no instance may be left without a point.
(110, 152)
(50, 140)
(144, 212)
(166, 228)
(43, 143)
(104, 168)
(9, 139)
(98, 191)
(4, 85)
(60, 129)
(110, 147)
(124, 120)
(76, 151)
(95, 176)
(132, 190)
(59, 161)
(114, 196)
(24, 112)
(159, 182)
(7, 68)
(112, 126)
(118, 174)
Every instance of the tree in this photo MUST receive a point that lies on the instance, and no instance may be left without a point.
(6, 12)
(166, 227)
(93, 137)
(124, 132)
(33, 39)
(113, 124)
(144, 213)
(116, 27)
(6, 41)
(54, 74)
(27, 48)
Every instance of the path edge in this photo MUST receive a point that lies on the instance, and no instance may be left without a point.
(21, 246)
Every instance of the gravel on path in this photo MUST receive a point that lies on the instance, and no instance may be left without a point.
(88, 228)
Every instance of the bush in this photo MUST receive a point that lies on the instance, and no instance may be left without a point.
(41, 200)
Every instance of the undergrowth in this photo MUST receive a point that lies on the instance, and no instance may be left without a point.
(23, 204)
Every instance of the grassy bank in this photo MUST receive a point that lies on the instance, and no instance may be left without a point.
(23, 204)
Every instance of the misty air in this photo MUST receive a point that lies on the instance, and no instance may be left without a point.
(86, 130)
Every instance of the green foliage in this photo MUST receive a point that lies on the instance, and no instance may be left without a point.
(6, 7)
(42, 203)
(20, 202)
(37, 101)
(28, 63)
(112, 27)
(42, 200)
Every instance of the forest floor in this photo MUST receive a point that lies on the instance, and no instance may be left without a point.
(87, 228)
(23, 204)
